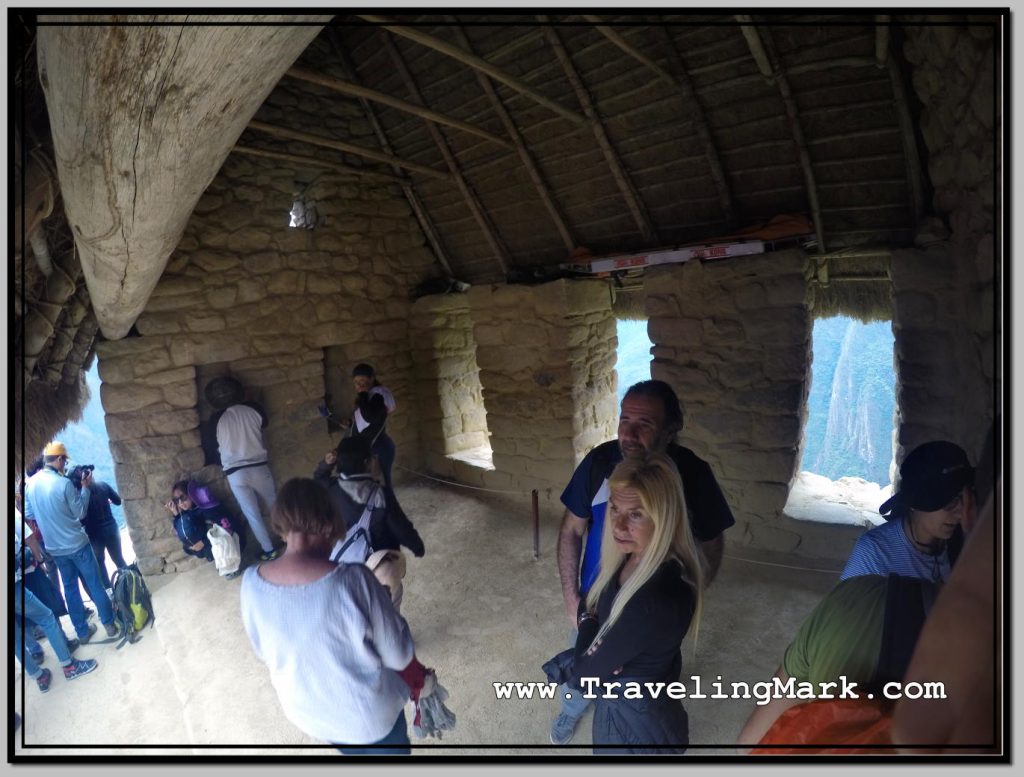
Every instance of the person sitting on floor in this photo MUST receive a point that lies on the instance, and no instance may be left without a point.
(188, 523)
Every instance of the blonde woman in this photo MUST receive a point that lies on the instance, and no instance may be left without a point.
(645, 599)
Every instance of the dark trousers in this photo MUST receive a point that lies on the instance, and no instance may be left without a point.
(398, 738)
(39, 584)
(384, 450)
(107, 539)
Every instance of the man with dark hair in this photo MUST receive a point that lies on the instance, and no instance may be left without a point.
(103, 531)
(649, 420)
(52, 500)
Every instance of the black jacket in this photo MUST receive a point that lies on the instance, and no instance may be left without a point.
(390, 527)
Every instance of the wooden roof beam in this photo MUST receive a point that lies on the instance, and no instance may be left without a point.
(309, 161)
(754, 44)
(882, 39)
(524, 153)
(915, 174)
(357, 90)
(684, 86)
(765, 48)
(493, 240)
(349, 148)
(425, 222)
(476, 63)
(629, 192)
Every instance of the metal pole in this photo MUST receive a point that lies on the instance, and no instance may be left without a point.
(536, 525)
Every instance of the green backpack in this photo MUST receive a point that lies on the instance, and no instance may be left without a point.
(133, 608)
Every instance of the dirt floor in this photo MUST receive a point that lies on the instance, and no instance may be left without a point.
(482, 610)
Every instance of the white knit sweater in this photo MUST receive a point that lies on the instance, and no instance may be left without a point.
(332, 647)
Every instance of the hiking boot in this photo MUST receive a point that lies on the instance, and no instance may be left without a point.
(113, 629)
(43, 680)
(562, 729)
(79, 668)
(271, 555)
(232, 575)
(83, 639)
(73, 645)
(89, 612)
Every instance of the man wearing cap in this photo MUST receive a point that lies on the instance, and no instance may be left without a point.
(929, 512)
(58, 507)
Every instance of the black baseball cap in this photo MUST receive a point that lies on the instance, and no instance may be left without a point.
(930, 478)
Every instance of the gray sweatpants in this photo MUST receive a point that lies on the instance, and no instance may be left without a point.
(248, 484)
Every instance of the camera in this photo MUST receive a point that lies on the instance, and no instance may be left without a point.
(77, 473)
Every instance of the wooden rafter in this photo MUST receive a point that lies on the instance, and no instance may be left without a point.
(524, 153)
(882, 39)
(340, 145)
(754, 44)
(357, 90)
(309, 161)
(619, 173)
(702, 127)
(476, 63)
(684, 86)
(425, 222)
(493, 240)
(766, 48)
(915, 176)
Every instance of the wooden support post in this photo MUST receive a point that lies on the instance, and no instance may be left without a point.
(915, 176)
(754, 44)
(500, 252)
(524, 153)
(629, 192)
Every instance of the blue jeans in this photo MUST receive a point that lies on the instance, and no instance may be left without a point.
(576, 706)
(384, 450)
(40, 614)
(82, 564)
(398, 737)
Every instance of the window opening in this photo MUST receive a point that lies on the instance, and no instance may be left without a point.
(633, 355)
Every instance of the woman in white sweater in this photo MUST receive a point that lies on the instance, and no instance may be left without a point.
(335, 647)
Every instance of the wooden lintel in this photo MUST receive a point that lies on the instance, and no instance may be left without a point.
(524, 153)
(476, 63)
(831, 64)
(793, 116)
(340, 145)
(357, 90)
(882, 39)
(491, 235)
(622, 180)
(422, 216)
(309, 161)
(754, 44)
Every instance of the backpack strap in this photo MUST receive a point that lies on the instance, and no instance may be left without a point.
(362, 526)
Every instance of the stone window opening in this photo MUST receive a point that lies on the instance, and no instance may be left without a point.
(848, 441)
(633, 354)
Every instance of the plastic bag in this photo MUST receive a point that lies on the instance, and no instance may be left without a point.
(227, 554)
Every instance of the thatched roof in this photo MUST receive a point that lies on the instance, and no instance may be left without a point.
(623, 133)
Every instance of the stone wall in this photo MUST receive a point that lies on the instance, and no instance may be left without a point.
(450, 403)
(733, 338)
(944, 293)
(274, 304)
(547, 366)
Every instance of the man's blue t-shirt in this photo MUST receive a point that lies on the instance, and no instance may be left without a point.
(586, 496)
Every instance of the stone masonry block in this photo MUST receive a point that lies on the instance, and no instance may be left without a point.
(128, 398)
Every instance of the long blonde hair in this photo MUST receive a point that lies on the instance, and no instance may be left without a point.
(655, 477)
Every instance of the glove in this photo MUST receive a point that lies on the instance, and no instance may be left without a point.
(433, 718)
